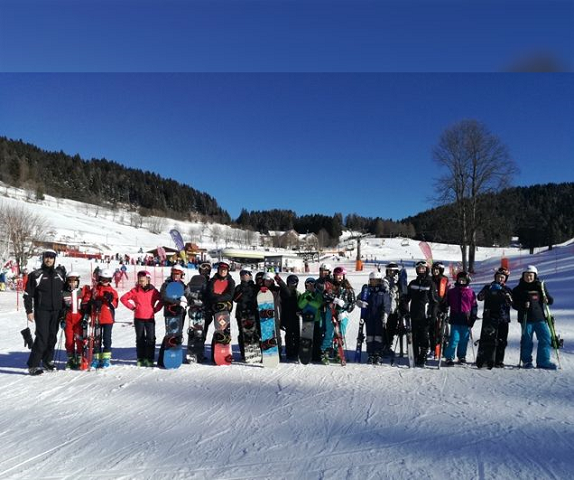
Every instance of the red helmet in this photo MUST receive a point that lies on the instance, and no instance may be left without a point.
(339, 271)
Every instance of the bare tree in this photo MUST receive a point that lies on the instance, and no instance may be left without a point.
(23, 227)
(476, 163)
(155, 224)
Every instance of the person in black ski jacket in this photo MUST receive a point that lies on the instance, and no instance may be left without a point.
(529, 297)
(421, 302)
(497, 299)
(290, 314)
(43, 301)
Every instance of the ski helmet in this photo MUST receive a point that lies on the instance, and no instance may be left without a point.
(106, 273)
(463, 276)
(73, 275)
(375, 276)
(223, 265)
(310, 280)
(340, 271)
(49, 253)
(326, 267)
(504, 272)
(144, 273)
(438, 266)
(205, 268)
(245, 271)
(531, 269)
(293, 280)
(422, 263)
(259, 277)
(391, 269)
(268, 276)
(177, 268)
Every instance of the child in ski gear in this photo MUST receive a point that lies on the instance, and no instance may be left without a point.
(245, 296)
(442, 286)
(497, 299)
(103, 303)
(174, 308)
(528, 298)
(219, 294)
(311, 299)
(421, 295)
(145, 301)
(290, 314)
(391, 316)
(319, 333)
(75, 307)
(340, 301)
(463, 309)
(43, 299)
(375, 315)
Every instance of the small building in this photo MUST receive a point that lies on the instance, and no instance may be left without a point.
(285, 262)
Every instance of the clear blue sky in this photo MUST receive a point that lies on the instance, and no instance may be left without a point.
(314, 143)
(282, 35)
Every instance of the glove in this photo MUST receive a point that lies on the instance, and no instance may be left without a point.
(108, 297)
(361, 303)
(98, 304)
(63, 324)
(339, 302)
(183, 301)
(197, 303)
(278, 278)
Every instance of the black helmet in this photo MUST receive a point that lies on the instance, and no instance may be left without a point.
(293, 280)
(259, 277)
(438, 266)
(422, 263)
(463, 276)
(205, 268)
(502, 271)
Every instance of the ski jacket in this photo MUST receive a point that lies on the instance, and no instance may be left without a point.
(346, 293)
(311, 302)
(220, 289)
(170, 308)
(196, 293)
(145, 302)
(289, 299)
(392, 294)
(497, 301)
(105, 298)
(44, 289)
(442, 287)
(463, 307)
(245, 296)
(74, 304)
(421, 294)
(528, 299)
(377, 299)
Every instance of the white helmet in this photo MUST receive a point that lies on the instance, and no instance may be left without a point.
(531, 269)
(268, 276)
(178, 268)
(375, 276)
(326, 266)
(73, 274)
(106, 273)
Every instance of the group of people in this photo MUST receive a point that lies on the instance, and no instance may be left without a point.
(53, 297)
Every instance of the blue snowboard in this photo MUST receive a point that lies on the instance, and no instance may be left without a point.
(269, 348)
(172, 354)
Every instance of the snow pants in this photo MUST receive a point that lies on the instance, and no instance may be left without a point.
(145, 338)
(374, 338)
(459, 335)
(330, 330)
(544, 343)
(47, 325)
(74, 332)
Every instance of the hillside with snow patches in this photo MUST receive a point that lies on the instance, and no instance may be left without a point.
(294, 421)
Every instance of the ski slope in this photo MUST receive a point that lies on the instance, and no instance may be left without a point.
(294, 421)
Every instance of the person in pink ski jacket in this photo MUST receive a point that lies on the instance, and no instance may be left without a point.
(145, 301)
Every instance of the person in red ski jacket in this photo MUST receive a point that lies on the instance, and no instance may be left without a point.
(145, 301)
(104, 299)
(75, 308)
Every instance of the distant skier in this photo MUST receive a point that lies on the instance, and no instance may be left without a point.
(145, 301)
(497, 299)
(43, 299)
(528, 298)
(463, 309)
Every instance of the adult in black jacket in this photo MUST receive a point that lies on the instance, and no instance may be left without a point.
(245, 296)
(43, 301)
(422, 297)
(219, 294)
(290, 315)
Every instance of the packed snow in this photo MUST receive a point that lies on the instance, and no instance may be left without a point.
(294, 421)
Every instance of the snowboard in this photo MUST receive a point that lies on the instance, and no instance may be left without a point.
(170, 353)
(410, 345)
(488, 341)
(361, 335)
(251, 346)
(196, 312)
(221, 338)
(269, 344)
(338, 341)
(306, 337)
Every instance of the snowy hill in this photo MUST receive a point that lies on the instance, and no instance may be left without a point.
(295, 421)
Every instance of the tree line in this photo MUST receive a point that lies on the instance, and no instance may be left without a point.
(103, 182)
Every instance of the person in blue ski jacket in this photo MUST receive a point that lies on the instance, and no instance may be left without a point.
(529, 297)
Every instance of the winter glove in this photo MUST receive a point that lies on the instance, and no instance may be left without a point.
(183, 301)
(339, 302)
(361, 303)
(197, 303)
(108, 297)
(98, 304)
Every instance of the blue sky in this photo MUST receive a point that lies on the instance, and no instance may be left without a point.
(282, 35)
(311, 142)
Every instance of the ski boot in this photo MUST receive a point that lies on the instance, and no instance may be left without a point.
(547, 366)
(462, 360)
(527, 365)
(72, 363)
(96, 361)
(148, 363)
(325, 357)
(35, 371)
(140, 362)
(449, 362)
(49, 366)
(106, 359)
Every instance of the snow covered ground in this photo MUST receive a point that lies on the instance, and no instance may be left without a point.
(295, 421)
